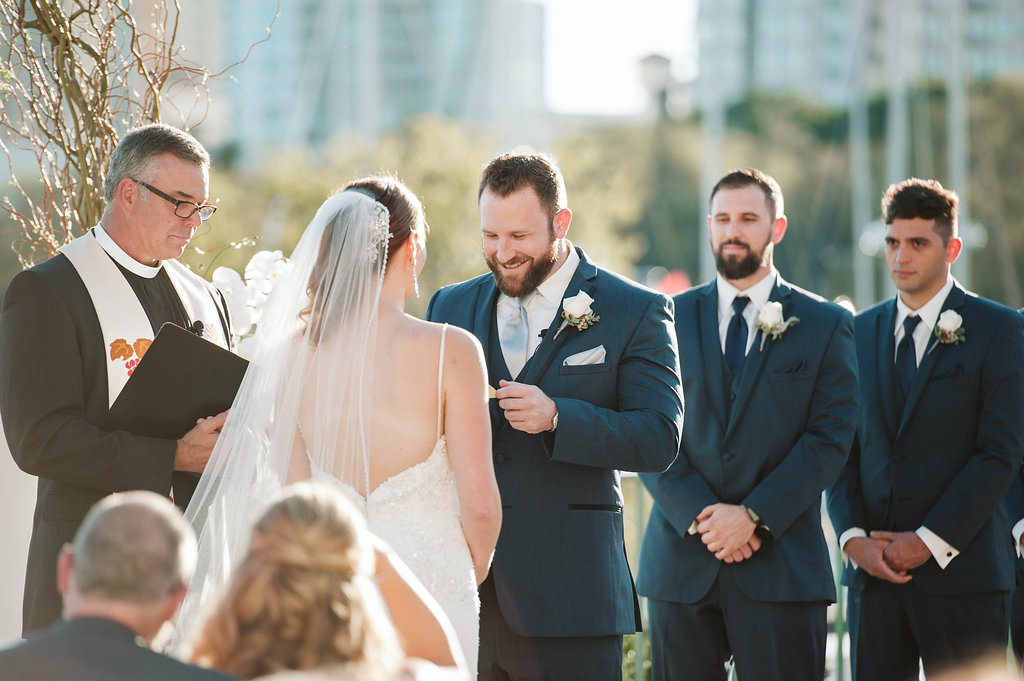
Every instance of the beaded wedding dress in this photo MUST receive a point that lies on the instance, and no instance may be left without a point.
(416, 511)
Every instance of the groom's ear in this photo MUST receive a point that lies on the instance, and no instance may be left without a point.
(561, 222)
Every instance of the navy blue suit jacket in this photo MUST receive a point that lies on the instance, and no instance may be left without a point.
(560, 566)
(946, 456)
(772, 440)
(94, 649)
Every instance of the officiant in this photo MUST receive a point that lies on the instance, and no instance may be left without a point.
(73, 329)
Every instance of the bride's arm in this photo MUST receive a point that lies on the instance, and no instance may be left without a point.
(467, 427)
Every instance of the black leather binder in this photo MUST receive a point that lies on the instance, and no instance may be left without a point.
(181, 378)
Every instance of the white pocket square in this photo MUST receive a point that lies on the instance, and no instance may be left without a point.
(591, 356)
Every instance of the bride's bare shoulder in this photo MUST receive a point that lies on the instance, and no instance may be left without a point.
(463, 355)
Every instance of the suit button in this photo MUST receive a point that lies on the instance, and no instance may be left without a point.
(500, 458)
(883, 502)
(726, 456)
(732, 396)
(899, 458)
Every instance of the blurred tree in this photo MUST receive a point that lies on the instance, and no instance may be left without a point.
(441, 162)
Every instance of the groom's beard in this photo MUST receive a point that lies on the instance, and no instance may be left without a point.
(526, 280)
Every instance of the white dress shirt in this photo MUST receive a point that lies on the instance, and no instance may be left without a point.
(540, 306)
(758, 294)
(941, 551)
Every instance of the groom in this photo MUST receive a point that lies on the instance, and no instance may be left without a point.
(586, 371)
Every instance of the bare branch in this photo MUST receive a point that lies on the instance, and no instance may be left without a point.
(75, 74)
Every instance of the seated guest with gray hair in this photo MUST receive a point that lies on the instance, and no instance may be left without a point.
(122, 578)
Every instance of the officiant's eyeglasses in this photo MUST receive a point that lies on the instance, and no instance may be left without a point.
(183, 209)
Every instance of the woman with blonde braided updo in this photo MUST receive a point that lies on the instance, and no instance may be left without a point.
(304, 602)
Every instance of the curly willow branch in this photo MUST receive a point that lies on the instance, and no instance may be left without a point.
(73, 76)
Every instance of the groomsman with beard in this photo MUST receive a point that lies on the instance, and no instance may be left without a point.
(919, 506)
(586, 371)
(734, 562)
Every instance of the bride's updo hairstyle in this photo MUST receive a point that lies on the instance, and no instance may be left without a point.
(404, 207)
(302, 598)
(405, 219)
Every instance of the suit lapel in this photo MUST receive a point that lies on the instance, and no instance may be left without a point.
(711, 350)
(885, 348)
(484, 318)
(933, 352)
(584, 279)
(754, 362)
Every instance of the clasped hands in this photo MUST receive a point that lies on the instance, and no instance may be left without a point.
(728, 532)
(888, 555)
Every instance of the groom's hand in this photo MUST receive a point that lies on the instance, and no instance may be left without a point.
(195, 447)
(526, 407)
(725, 529)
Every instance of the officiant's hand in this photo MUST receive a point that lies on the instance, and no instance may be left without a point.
(526, 407)
(725, 529)
(195, 446)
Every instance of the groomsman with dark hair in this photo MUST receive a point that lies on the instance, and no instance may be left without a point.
(919, 506)
(734, 562)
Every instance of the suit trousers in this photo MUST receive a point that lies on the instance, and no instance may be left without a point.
(507, 656)
(892, 626)
(768, 641)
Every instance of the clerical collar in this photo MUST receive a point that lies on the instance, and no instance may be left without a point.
(120, 257)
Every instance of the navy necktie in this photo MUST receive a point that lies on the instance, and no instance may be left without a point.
(906, 354)
(736, 335)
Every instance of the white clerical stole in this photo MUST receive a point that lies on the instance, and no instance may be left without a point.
(127, 333)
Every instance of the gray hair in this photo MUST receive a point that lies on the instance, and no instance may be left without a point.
(134, 547)
(140, 146)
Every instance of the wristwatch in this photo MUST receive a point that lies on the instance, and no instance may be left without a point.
(756, 519)
(554, 422)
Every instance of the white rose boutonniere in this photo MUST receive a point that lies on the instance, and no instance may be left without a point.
(950, 328)
(576, 311)
(770, 321)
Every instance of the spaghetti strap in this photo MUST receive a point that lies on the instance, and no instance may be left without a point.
(440, 377)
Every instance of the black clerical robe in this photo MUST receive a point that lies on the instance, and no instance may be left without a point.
(53, 400)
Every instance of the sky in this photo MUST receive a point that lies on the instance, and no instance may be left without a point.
(594, 46)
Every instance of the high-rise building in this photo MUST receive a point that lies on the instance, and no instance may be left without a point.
(367, 66)
(810, 47)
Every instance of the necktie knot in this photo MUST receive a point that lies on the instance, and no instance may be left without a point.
(910, 323)
(739, 304)
(906, 354)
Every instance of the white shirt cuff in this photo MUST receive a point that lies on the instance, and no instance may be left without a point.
(693, 528)
(942, 552)
(847, 536)
(1017, 531)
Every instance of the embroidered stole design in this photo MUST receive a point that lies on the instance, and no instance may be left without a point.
(127, 333)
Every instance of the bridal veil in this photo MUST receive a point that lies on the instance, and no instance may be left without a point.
(303, 401)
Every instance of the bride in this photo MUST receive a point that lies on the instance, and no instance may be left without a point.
(349, 390)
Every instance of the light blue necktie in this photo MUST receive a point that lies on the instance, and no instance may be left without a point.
(515, 340)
